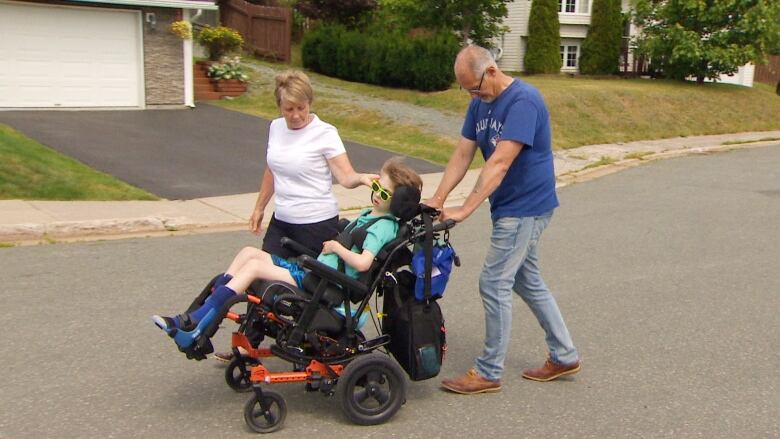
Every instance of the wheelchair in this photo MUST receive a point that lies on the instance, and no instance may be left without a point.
(318, 330)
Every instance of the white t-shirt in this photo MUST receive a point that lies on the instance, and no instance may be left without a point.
(298, 159)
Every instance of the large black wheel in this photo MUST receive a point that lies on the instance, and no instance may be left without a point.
(238, 379)
(371, 389)
(268, 416)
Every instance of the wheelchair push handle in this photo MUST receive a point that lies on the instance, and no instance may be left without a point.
(444, 225)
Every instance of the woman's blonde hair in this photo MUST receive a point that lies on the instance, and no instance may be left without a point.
(293, 86)
(401, 174)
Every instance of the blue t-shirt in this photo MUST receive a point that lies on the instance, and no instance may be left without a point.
(519, 114)
(377, 235)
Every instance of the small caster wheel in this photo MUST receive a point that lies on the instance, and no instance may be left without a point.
(266, 416)
(239, 372)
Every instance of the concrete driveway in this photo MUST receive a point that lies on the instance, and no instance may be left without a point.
(176, 154)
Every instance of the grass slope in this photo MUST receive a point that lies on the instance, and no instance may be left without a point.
(31, 171)
(583, 110)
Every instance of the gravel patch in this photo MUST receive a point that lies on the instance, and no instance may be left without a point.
(426, 119)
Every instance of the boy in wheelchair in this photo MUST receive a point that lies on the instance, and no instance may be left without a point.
(352, 253)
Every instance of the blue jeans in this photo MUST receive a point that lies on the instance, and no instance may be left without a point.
(512, 264)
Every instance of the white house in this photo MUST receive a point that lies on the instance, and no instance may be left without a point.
(574, 16)
(96, 53)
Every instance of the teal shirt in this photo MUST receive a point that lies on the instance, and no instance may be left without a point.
(379, 234)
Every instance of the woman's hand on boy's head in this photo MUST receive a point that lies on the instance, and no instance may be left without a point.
(366, 179)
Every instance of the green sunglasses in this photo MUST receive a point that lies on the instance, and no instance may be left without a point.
(384, 194)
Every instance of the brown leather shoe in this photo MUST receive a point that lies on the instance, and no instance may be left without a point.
(471, 383)
(551, 371)
(224, 357)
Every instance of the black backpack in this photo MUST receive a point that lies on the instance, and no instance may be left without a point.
(416, 327)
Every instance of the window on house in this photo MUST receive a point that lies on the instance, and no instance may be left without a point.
(569, 56)
(571, 6)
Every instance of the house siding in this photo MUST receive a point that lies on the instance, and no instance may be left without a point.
(163, 60)
(513, 42)
(574, 31)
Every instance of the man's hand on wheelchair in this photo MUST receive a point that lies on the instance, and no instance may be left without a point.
(435, 202)
(458, 214)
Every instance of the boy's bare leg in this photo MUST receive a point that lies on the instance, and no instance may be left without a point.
(262, 268)
(245, 255)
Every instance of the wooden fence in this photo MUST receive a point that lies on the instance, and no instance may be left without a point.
(769, 73)
(266, 30)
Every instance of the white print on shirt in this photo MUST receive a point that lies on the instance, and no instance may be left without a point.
(494, 125)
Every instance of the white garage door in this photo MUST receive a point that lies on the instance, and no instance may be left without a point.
(53, 56)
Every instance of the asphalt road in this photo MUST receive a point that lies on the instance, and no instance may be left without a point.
(177, 154)
(667, 275)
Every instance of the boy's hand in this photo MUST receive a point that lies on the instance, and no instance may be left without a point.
(330, 246)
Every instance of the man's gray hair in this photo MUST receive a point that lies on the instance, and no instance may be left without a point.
(477, 58)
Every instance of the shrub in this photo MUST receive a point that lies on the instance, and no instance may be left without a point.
(220, 41)
(601, 48)
(328, 48)
(309, 50)
(543, 52)
(351, 57)
(423, 62)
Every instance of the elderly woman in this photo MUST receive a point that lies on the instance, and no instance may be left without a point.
(304, 154)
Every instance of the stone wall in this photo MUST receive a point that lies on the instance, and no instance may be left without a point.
(163, 59)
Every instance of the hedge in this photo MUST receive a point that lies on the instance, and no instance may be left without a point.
(422, 62)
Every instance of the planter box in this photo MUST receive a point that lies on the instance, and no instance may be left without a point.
(229, 85)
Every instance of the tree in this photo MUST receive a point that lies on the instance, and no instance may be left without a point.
(350, 13)
(705, 39)
(601, 48)
(542, 53)
(476, 20)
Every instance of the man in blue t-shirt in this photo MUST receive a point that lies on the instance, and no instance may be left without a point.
(508, 121)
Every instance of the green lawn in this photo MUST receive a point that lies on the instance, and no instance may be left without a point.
(584, 110)
(31, 171)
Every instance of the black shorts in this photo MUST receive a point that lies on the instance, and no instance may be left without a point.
(310, 235)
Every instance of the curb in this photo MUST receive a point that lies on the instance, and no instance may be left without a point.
(587, 174)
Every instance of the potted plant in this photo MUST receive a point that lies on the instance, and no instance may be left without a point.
(219, 41)
(228, 75)
(182, 29)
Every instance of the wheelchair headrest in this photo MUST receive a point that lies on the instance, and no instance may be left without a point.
(405, 204)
